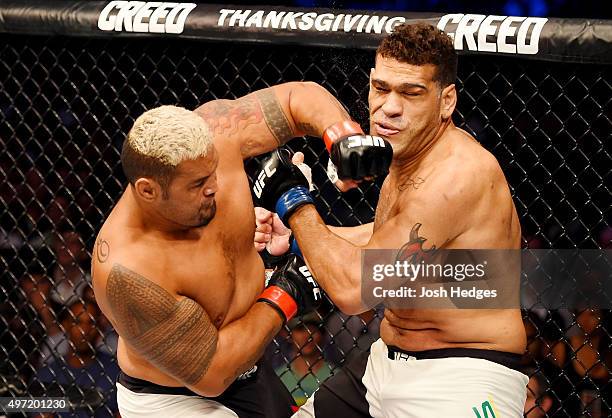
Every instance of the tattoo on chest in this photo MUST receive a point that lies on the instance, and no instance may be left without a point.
(225, 117)
(413, 183)
(275, 117)
(102, 250)
(176, 336)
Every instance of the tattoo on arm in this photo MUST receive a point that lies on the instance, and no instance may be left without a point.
(175, 335)
(413, 251)
(227, 117)
(275, 117)
(308, 129)
(102, 250)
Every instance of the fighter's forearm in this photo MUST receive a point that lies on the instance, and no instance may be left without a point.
(240, 344)
(334, 261)
(356, 235)
(313, 108)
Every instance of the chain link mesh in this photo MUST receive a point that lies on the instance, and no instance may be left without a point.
(66, 105)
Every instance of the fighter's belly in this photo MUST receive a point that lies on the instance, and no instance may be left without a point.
(427, 329)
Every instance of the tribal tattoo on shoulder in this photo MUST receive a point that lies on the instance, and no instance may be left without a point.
(177, 336)
(275, 117)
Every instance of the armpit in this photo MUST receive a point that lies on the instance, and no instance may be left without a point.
(176, 336)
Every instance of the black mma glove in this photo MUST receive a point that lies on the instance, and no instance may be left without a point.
(354, 154)
(292, 289)
(280, 186)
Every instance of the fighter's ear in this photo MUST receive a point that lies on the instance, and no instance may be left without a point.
(373, 69)
(147, 189)
(448, 101)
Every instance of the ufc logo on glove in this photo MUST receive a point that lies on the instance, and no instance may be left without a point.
(316, 291)
(365, 140)
(267, 172)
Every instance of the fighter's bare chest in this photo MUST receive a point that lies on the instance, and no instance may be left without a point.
(218, 275)
(393, 197)
(216, 271)
(383, 209)
(227, 269)
(387, 205)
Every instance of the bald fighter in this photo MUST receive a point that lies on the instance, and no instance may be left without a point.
(174, 268)
(444, 190)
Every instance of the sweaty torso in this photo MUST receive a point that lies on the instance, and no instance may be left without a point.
(492, 224)
(216, 266)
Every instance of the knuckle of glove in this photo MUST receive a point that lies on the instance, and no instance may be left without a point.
(301, 285)
(360, 156)
(351, 163)
(277, 174)
(281, 279)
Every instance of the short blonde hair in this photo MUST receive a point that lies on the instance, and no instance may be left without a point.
(160, 140)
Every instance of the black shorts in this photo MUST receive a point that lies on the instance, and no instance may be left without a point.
(261, 394)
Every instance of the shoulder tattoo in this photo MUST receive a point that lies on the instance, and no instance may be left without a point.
(175, 335)
(102, 250)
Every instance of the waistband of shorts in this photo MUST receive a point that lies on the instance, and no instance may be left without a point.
(144, 386)
(510, 360)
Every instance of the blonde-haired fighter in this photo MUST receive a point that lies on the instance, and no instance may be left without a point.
(174, 268)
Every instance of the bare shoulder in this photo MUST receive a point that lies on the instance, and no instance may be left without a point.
(173, 333)
(113, 256)
(454, 191)
(455, 186)
(477, 157)
(468, 172)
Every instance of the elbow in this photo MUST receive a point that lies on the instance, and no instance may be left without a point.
(214, 382)
(351, 308)
(210, 389)
(344, 288)
(302, 85)
(215, 391)
(307, 84)
(349, 301)
(307, 89)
